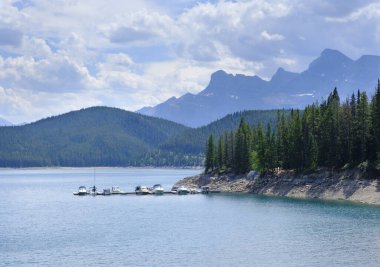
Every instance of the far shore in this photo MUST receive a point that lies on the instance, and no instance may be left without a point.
(101, 167)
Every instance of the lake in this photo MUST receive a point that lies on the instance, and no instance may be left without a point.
(43, 224)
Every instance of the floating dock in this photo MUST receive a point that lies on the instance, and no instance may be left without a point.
(133, 193)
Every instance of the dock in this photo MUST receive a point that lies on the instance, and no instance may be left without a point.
(133, 193)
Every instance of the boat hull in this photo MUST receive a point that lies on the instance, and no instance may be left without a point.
(142, 193)
(158, 192)
(182, 192)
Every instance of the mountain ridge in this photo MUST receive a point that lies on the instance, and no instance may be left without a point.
(227, 93)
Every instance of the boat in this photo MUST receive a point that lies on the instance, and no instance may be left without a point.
(157, 189)
(116, 190)
(194, 191)
(106, 192)
(82, 191)
(93, 190)
(205, 189)
(174, 189)
(141, 190)
(182, 190)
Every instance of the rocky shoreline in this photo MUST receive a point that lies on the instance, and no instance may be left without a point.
(353, 185)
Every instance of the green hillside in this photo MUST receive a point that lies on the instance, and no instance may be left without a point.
(103, 136)
(98, 136)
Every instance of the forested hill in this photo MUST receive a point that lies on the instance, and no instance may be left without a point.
(193, 140)
(97, 136)
(102, 136)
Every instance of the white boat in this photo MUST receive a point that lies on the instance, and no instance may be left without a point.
(182, 190)
(141, 190)
(82, 191)
(93, 190)
(116, 190)
(157, 189)
(106, 192)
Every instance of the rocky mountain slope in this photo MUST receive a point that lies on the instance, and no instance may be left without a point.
(227, 93)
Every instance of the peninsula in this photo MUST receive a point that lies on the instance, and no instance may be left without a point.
(329, 151)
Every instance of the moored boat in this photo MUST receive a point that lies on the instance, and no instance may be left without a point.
(182, 190)
(116, 190)
(141, 190)
(157, 189)
(106, 192)
(82, 191)
(93, 190)
(205, 189)
(174, 189)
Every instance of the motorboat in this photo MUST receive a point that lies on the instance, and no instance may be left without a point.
(82, 191)
(205, 189)
(157, 189)
(106, 192)
(182, 190)
(141, 190)
(116, 190)
(174, 189)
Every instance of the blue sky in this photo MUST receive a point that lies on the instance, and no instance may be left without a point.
(57, 56)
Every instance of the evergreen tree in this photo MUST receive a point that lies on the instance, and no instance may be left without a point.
(220, 154)
(375, 125)
(270, 150)
(210, 155)
(363, 114)
(226, 149)
(295, 142)
(243, 157)
(260, 148)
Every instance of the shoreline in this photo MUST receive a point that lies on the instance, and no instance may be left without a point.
(348, 185)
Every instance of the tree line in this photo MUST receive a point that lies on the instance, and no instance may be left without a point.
(332, 134)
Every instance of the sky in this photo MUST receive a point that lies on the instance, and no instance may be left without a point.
(63, 55)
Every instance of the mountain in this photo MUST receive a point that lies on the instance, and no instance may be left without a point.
(4, 122)
(98, 136)
(227, 93)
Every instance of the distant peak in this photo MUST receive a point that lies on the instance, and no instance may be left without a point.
(328, 59)
(279, 70)
(219, 73)
(282, 75)
(171, 100)
(332, 53)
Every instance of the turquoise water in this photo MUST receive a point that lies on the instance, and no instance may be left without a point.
(43, 224)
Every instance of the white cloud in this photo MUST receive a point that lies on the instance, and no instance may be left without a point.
(272, 37)
(19, 105)
(141, 27)
(370, 11)
(55, 74)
